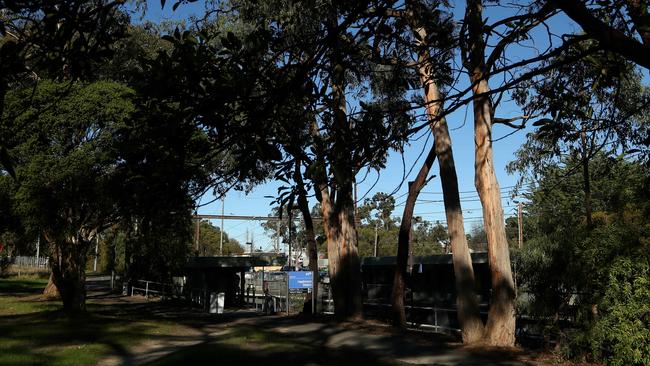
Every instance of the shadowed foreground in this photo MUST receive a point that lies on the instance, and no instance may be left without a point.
(133, 331)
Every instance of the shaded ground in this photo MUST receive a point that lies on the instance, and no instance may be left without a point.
(122, 330)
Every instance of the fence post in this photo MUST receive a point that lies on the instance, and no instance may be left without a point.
(146, 291)
(435, 318)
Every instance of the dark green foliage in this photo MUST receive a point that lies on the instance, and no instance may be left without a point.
(62, 138)
(621, 334)
(585, 281)
(52, 39)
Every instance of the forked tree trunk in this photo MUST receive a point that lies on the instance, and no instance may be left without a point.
(500, 328)
(339, 211)
(69, 273)
(469, 316)
(404, 241)
(344, 264)
(467, 303)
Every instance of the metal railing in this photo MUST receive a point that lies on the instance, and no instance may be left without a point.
(151, 288)
(275, 282)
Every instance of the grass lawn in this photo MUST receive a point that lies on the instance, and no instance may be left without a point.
(34, 331)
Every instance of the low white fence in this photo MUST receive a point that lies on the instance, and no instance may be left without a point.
(34, 262)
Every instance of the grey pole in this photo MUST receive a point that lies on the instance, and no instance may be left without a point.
(314, 282)
(38, 248)
(196, 234)
(520, 225)
(376, 237)
(221, 243)
(96, 250)
(289, 224)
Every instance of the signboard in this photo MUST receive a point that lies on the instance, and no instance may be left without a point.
(300, 280)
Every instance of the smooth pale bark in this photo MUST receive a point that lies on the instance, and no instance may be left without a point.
(312, 248)
(469, 316)
(500, 327)
(404, 241)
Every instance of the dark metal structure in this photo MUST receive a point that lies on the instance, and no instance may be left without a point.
(205, 275)
(430, 295)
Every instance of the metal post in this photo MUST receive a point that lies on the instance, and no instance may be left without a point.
(221, 234)
(196, 235)
(112, 279)
(146, 291)
(38, 249)
(277, 237)
(287, 302)
(264, 292)
(314, 282)
(376, 236)
(435, 318)
(96, 250)
(289, 246)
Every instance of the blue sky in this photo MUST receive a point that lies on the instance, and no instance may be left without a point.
(461, 127)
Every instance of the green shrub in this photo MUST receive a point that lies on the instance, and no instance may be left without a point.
(621, 335)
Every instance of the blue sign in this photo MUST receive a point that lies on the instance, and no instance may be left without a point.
(300, 280)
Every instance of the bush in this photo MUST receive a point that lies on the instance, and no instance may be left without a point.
(4, 264)
(621, 335)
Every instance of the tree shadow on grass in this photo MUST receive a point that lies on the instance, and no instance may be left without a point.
(259, 352)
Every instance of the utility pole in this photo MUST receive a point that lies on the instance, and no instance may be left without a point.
(223, 199)
(277, 236)
(376, 236)
(249, 242)
(289, 225)
(520, 225)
